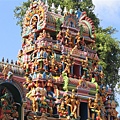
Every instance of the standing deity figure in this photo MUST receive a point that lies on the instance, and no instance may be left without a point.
(94, 107)
(38, 54)
(62, 108)
(73, 105)
(67, 37)
(56, 92)
(26, 67)
(46, 65)
(52, 62)
(5, 71)
(68, 64)
(59, 39)
(35, 65)
(62, 57)
(45, 54)
(78, 40)
(44, 75)
(37, 98)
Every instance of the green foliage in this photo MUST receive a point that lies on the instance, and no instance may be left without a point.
(58, 24)
(109, 53)
(20, 11)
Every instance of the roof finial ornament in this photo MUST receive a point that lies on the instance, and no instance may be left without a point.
(3, 59)
(59, 10)
(46, 4)
(7, 61)
(71, 11)
(53, 8)
(33, 1)
(65, 10)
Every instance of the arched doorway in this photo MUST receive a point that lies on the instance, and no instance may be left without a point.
(10, 101)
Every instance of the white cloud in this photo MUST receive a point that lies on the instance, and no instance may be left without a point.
(108, 11)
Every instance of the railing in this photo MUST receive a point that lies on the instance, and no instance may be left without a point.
(17, 70)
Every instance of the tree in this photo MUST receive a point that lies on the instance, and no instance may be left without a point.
(108, 48)
(109, 53)
(20, 11)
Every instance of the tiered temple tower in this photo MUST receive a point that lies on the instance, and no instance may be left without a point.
(63, 74)
(63, 77)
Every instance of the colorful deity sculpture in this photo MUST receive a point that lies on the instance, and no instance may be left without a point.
(67, 37)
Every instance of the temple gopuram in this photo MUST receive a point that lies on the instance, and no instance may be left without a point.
(58, 75)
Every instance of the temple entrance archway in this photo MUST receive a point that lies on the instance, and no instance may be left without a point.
(11, 99)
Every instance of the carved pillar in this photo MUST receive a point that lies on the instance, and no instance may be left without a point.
(80, 70)
(78, 110)
(71, 70)
(93, 116)
(108, 116)
(22, 110)
(88, 112)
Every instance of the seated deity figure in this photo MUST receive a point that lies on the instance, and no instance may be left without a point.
(43, 117)
(39, 36)
(10, 75)
(44, 34)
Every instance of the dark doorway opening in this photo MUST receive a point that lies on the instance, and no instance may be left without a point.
(83, 111)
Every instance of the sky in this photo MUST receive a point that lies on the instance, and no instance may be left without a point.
(108, 11)
(10, 34)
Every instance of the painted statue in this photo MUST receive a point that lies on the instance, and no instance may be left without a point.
(67, 37)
